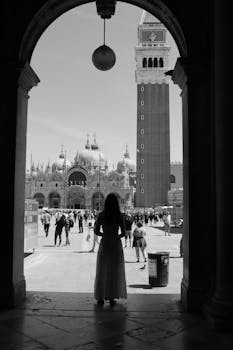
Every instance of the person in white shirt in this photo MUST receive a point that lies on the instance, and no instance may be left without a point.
(167, 223)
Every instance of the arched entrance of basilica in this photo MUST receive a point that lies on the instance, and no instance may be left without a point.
(39, 197)
(54, 200)
(76, 197)
(77, 178)
(194, 73)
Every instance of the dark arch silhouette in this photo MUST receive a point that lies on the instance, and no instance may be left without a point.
(40, 198)
(77, 178)
(161, 62)
(172, 179)
(144, 62)
(55, 8)
(54, 200)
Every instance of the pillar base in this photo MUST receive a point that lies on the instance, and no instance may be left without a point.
(191, 298)
(219, 314)
(12, 295)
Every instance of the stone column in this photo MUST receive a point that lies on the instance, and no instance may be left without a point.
(220, 310)
(17, 84)
(193, 79)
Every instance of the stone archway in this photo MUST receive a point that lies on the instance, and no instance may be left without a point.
(77, 178)
(76, 197)
(54, 200)
(51, 10)
(40, 198)
(45, 16)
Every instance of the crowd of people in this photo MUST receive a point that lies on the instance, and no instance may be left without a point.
(65, 220)
(111, 225)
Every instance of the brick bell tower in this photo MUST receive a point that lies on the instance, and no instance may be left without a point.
(153, 130)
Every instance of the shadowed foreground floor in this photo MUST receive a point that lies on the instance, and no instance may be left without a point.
(72, 321)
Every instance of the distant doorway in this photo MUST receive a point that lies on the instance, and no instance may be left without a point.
(54, 200)
(39, 197)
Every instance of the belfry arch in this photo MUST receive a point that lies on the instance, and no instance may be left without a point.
(204, 142)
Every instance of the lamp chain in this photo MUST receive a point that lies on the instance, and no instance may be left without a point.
(104, 31)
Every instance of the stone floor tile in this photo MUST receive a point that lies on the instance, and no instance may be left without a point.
(125, 342)
(24, 322)
(91, 333)
(150, 335)
(44, 330)
(12, 339)
(68, 324)
(200, 337)
(61, 342)
(120, 326)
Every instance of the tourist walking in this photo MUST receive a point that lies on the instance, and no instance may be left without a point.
(167, 223)
(128, 229)
(71, 218)
(80, 223)
(95, 237)
(46, 219)
(67, 226)
(110, 283)
(139, 242)
(59, 223)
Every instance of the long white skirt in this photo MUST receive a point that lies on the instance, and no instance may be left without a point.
(110, 280)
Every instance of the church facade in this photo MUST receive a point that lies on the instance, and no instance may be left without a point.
(83, 183)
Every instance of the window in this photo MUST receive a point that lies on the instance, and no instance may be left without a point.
(56, 185)
(144, 63)
(142, 161)
(155, 62)
(142, 117)
(142, 131)
(142, 190)
(41, 185)
(142, 176)
(142, 88)
(150, 62)
(161, 62)
(142, 145)
(172, 179)
(142, 103)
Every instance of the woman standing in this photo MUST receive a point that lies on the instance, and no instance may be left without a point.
(110, 283)
(139, 241)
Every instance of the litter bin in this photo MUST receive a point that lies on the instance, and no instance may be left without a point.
(158, 264)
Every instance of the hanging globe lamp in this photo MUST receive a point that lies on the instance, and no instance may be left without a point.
(104, 57)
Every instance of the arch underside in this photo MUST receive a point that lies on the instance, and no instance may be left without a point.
(55, 8)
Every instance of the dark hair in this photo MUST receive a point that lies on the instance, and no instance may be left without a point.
(139, 224)
(111, 210)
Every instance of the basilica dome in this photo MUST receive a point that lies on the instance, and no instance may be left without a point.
(127, 164)
(91, 155)
(61, 163)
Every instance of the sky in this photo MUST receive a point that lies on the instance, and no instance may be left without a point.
(74, 99)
